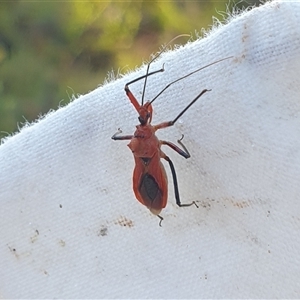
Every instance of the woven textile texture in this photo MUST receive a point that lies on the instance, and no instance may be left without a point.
(71, 226)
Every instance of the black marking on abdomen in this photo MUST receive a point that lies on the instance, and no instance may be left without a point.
(149, 187)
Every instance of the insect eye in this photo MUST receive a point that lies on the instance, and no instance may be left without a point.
(142, 121)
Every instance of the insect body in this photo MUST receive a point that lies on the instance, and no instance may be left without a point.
(150, 183)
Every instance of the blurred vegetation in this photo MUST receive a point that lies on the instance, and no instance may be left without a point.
(53, 49)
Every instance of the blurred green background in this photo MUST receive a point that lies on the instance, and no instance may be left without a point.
(50, 50)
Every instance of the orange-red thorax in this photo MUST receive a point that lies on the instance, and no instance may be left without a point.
(144, 142)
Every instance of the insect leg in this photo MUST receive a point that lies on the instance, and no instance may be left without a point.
(144, 76)
(185, 153)
(177, 197)
(203, 92)
(122, 137)
(171, 123)
(129, 94)
(161, 219)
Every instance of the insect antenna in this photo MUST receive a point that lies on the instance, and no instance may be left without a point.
(154, 58)
(183, 77)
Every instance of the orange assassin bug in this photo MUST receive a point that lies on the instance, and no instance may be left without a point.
(150, 183)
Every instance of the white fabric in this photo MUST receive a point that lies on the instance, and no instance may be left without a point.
(70, 224)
